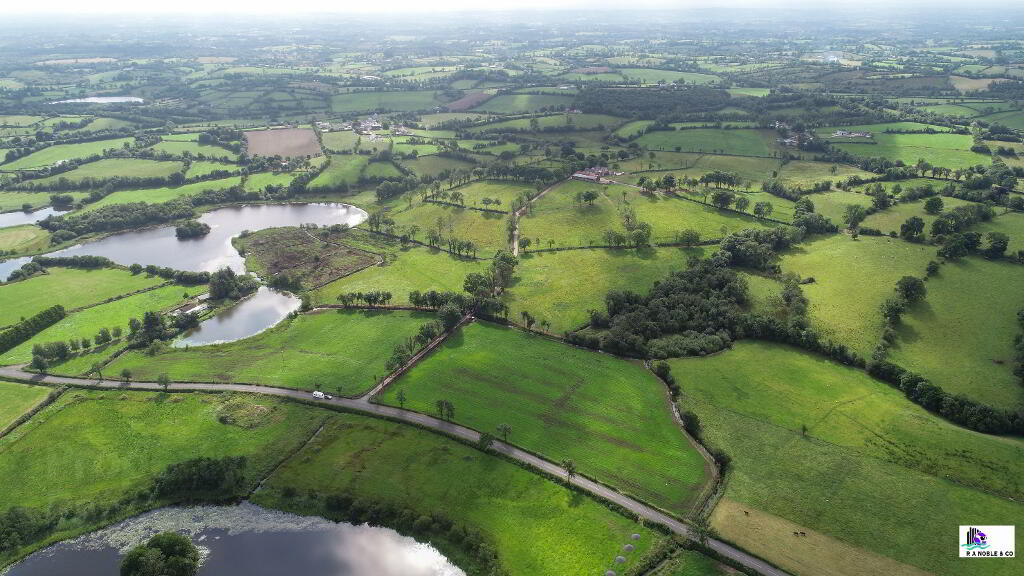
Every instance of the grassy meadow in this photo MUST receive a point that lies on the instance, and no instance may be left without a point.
(535, 525)
(561, 287)
(609, 415)
(56, 153)
(875, 471)
(17, 399)
(336, 351)
(70, 287)
(24, 239)
(851, 280)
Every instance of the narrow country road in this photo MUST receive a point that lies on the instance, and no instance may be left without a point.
(363, 404)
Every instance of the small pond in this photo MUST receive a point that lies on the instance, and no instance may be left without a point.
(247, 540)
(19, 218)
(161, 247)
(249, 317)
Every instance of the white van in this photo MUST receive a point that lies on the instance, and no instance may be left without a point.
(319, 395)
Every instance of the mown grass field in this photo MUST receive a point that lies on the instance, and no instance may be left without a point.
(392, 101)
(25, 239)
(739, 142)
(86, 323)
(890, 219)
(486, 230)
(832, 204)
(434, 165)
(161, 195)
(414, 268)
(523, 103)
(1011, 224)
(669, 215)
(851, 280)
(344, 168)
(961, 336)
(561, 287)
(123, 167)
(336, 351)
(557, 216)
(204, 167)
(806, 172)
(53, 154)
(610, 416)
(260, 181)
(535, 525)
(946, 150)
(506, 192)
(17, 399)
(94, 448)
(875, 471)
(69, 287)
(11, 201)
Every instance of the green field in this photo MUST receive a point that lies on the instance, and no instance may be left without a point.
(393, 101)
(653, 76)
(53, 154)
(11, 201)
(1010, 223)
(739, 142)
(484, 229)
(524, 103)
(890, 219)
(336, 351)
(561, 287)
(874, 470)
(610, 416)
(586, 121)
(344, 168)
(557, 216)
(381, 170)
(435, 165)
(851, 280)
(669, 215)
(25, 239)
(17, 399)
(535, 525)
(122, 167)
(112, 445)
(805, 172)
(258, 182)
(946, 150)
(161, 195)
(204, 167)
(414, 268)
(70, 287)
(87, 323)
(977, 301)
(832, 204)
(506, 192)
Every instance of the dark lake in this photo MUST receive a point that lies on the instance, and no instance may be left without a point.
(159, 246)
(247, 540)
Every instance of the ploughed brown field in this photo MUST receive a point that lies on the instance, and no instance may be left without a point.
(287, 142)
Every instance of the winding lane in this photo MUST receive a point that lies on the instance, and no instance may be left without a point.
(363, 405)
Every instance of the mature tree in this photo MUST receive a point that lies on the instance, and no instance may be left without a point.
(854, 215)
(570, 468)
(167, 554)
(126, 375)
(911, 289)
(933, 205)
(450, 315)
(763, 209)
(741, 203)
(589, 196)
(997, 245)
(164, 381)
(504, 430)
(912, 229)
(485, 441)
(722, 198)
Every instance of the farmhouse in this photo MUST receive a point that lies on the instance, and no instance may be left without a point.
(848, 134)
(594, 174)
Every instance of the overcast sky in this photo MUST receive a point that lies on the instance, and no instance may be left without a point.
(265, 6)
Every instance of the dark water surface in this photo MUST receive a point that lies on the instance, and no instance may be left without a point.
(247, 540)
(159, 246)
